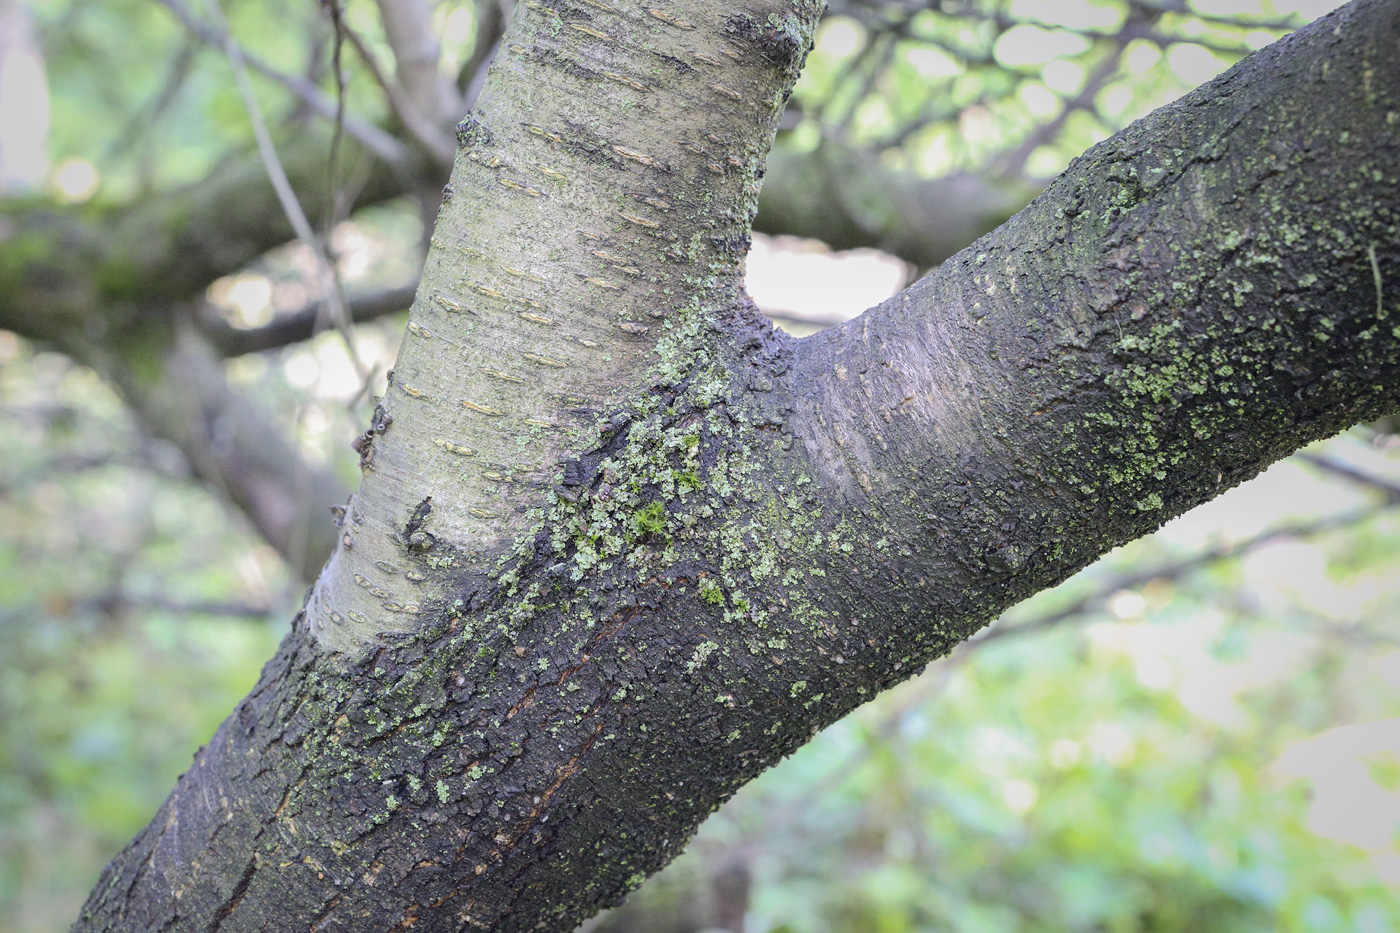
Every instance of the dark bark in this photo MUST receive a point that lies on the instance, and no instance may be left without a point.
(1192, 300)
(774, 531)
(107, 285)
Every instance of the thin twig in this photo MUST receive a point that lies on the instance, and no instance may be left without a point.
(117, 601)
(138, 127)
(428, 134)
(377, 141)
(1131, 29)
(1389, 488)
(299, 325)
(1175, 570)
(1281, 24)
(330, 281)
(1014, 163)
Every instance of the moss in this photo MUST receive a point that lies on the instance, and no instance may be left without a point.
(711, 592)
(649, 520)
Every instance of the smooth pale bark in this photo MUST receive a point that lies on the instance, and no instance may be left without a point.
(763, 533)
(602, 197)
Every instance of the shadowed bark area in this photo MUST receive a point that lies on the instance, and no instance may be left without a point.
(1192, 300)
(757, 534)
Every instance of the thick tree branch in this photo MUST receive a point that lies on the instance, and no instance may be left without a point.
(643, 230)
(103, 288)
(101, 285)
(182, 396)
(759, 534)
(409, 29)
(67, 269)
(1190, 301)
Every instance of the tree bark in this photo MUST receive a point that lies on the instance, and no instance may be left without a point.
(587, 591)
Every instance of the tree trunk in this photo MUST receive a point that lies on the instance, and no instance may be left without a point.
(620, 546)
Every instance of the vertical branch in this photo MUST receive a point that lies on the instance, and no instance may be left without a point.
(601, 197)
(408, 27)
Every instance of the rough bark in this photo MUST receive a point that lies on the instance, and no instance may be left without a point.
(748, 536)
(601, 198)
(74, 277)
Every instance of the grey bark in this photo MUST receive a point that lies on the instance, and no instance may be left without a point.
(760, 533)
(75, 277)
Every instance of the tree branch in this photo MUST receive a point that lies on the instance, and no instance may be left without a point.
(848, 200)
(384, 145)
(490, 26)
(231, 446)
(327, 278)
(409, 30)
(1176, 570)
(302, 324)
(1388, 488)
(428, 132)
(758, 534)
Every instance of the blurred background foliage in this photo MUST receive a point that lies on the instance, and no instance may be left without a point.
(1201, 732)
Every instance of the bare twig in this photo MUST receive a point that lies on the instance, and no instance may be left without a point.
(869, 63)
(1131, 29)
(939, 109)
(330, 281)
(1389, 488)
(1014, 162)
(1175, 570)
(430, 135)
(377, 141)
(138, 127)
(1275, 24)
(115, 602)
